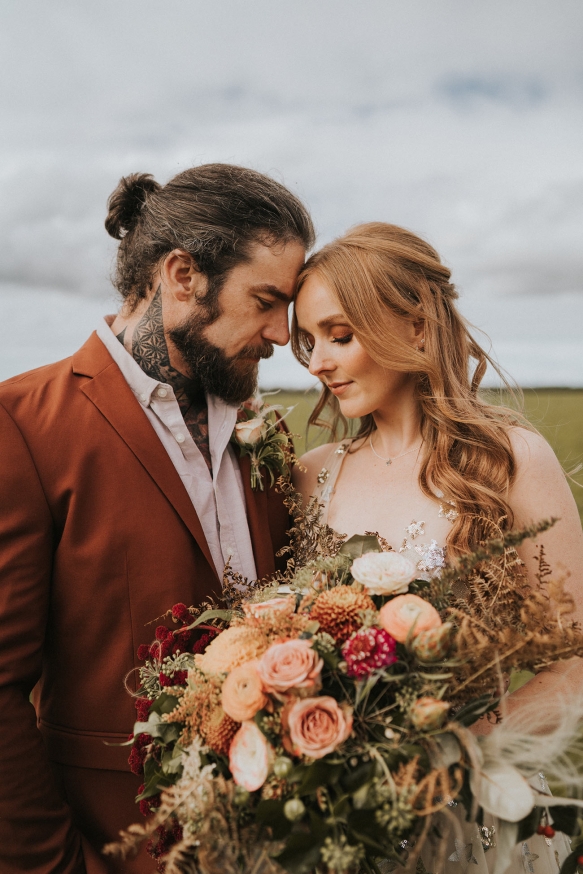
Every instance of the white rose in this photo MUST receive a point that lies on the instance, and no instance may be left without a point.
(384, 573)
(250, 432)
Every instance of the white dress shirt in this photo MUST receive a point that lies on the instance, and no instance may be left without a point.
(219, 500)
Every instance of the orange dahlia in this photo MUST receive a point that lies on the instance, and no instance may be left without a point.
(337, 610)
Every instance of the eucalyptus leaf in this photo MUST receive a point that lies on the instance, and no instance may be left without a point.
(359, 544)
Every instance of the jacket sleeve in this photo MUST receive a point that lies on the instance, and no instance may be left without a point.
(36, 833)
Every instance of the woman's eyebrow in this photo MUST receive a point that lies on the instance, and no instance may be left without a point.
(332, 320)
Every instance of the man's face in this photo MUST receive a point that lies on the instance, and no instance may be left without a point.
(254, 302)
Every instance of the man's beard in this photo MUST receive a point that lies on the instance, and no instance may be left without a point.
(234, 379)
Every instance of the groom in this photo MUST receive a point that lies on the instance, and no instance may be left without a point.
(120, 495)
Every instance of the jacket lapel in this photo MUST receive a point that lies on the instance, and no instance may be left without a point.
(112, 396)
(257, 516)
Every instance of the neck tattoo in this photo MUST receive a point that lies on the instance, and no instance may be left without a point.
(150, 351)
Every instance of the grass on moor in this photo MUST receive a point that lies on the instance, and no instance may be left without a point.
(556, 413)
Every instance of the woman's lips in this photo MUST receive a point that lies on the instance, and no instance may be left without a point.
(337, 388)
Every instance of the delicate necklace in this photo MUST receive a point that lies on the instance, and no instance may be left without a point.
(390, 460)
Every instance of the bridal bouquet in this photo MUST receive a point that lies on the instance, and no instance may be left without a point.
(321, 722)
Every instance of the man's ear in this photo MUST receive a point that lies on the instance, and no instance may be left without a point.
(181, 276)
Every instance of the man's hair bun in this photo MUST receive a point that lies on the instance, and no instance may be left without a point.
(125, 204)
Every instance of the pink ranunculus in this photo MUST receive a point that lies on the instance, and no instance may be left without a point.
(317, 726)
(250, 757)
(274, 605)
(242, 694)
(288, 665)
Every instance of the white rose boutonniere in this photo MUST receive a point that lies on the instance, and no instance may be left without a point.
(384, 573)
(250, 432)
(258, 434)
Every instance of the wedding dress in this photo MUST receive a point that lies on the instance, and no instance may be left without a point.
(473, 848)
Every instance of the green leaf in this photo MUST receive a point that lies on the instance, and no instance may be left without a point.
(301, 853)
(164, 703)
(154, 780)
(565, 820)
(210, 614)
(518, 679)
(320, 773)
(357, 777)
(570, 864)
(364, 827)
(270, 812)
(528, 826)
(359, 544)
(472, 711)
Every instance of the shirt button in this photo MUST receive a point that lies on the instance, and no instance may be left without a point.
(144, 399)
(162, 392)
(180, 438)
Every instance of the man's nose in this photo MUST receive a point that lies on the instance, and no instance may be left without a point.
(277, 330)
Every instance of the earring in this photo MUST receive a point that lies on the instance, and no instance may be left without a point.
(421, 346)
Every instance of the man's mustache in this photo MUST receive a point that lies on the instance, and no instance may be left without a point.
(264, 351)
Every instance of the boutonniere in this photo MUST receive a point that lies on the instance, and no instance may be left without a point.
(259, 434)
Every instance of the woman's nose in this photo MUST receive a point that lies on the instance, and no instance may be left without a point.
(319, 364)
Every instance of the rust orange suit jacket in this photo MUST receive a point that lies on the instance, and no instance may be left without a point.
(97, 538)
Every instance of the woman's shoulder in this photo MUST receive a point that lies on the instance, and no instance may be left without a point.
(313, 461)
(530, 449)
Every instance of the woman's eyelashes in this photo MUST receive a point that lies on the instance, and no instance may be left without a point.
(346, 338)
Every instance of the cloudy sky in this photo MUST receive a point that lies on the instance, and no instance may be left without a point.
(460, 119)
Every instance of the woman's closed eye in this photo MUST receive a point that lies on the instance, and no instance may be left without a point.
(346, 338)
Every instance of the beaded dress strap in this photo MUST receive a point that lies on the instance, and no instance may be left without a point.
(326, 479)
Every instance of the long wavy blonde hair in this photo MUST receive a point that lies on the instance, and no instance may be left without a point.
(379, 271)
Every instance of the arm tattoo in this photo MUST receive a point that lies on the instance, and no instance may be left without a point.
(122, 336)
(150, 350)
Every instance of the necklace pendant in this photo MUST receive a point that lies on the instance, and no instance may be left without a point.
(389, 461)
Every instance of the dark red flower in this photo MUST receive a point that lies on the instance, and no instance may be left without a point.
(202, 643)
(143, 652)
(368, 650)
(180, 612)
(143, 708)
(138, 753)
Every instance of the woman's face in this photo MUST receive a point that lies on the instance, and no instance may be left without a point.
(339, 360)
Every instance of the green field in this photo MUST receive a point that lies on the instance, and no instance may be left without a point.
(556, 413)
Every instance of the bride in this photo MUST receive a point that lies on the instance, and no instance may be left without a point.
(376, 321)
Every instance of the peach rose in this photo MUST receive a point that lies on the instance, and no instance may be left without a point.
(405, 612)
(317, 726)
(242, 694)
(250, 757)
(274, 605)
(291, 664)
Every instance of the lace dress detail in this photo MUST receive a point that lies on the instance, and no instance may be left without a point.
(428, 557)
